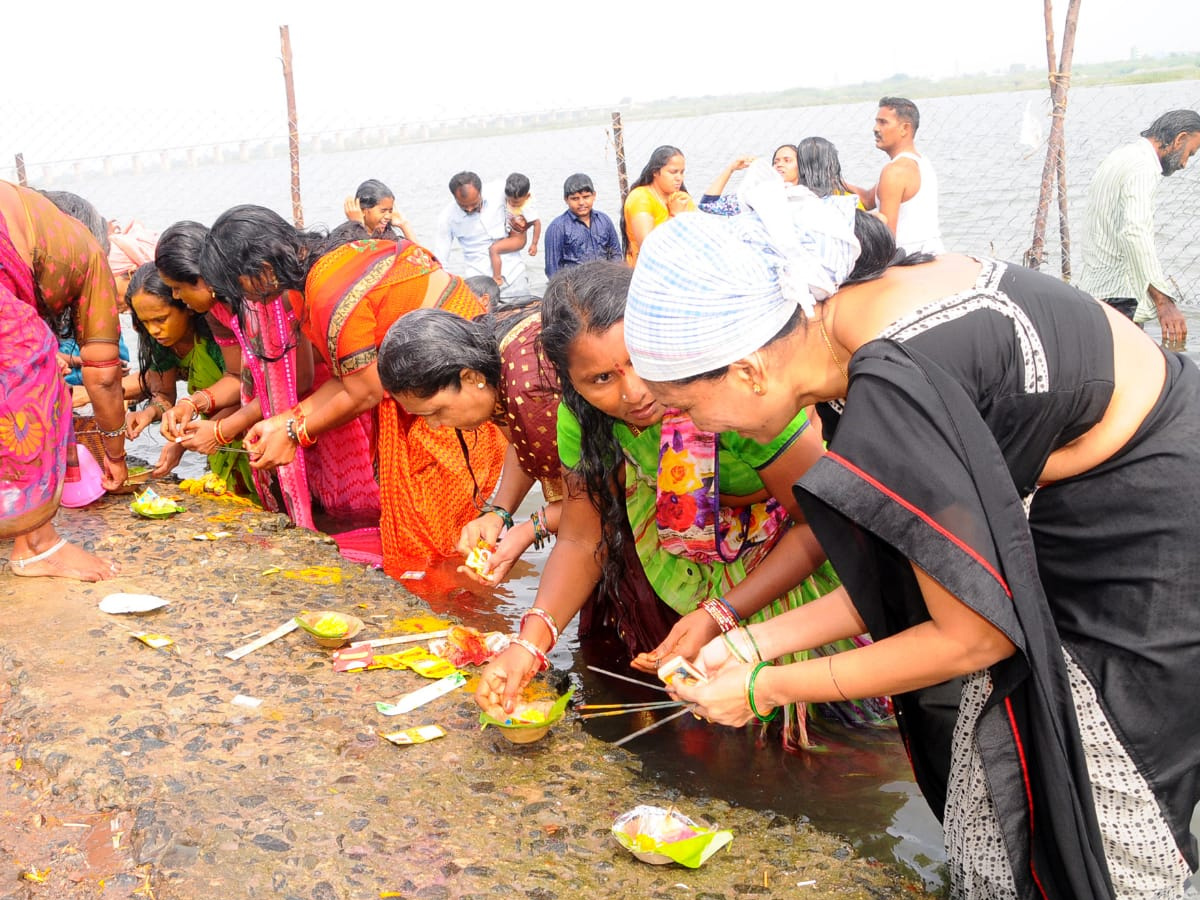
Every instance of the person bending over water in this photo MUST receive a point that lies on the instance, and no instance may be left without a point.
(666, 520)
(1009, 493)
(52, 271)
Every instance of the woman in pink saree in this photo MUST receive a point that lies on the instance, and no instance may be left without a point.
(51, 268)
(276, 369)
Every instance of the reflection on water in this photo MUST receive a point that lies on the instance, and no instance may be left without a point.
(858, 784)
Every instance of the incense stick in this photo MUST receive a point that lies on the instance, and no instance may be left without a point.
(645, 684)
(625, 712)
(625, 705)
(287, 627)
(639, 733)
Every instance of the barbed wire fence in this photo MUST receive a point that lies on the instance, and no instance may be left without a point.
(989, 152)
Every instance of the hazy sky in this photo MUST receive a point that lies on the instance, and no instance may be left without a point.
(87, 77)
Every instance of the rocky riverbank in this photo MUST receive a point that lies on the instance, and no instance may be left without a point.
(131, 771)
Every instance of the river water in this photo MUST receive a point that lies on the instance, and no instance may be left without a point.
(858, 783)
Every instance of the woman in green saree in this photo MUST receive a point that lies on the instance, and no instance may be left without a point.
(710, 517)
(176, 344)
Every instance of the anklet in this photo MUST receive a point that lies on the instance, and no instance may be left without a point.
(20, 564)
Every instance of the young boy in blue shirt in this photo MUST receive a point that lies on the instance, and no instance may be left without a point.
(581, 233)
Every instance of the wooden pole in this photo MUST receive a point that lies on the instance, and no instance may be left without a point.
(619, 144)
(285, 42)
(1033, 256)
(22, 180)
(1064, 78)
(1054, 169)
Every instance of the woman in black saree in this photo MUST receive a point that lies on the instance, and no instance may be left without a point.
(1011, 491)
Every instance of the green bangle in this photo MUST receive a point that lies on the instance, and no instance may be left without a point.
(737, 654)
(750, 694)
(504, 514)
(754, 643)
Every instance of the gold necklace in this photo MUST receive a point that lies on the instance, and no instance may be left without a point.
(828, 343)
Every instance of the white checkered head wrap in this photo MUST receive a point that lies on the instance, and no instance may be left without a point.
(709, 290)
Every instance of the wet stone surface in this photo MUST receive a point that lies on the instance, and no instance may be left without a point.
(130, 772)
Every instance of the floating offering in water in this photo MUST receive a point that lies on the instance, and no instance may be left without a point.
(660, 836)
(529, 722)
(480, 558)
(464, 646)
(149, 505)
(330, 628)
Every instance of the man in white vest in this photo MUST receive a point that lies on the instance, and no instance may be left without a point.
(906, 194)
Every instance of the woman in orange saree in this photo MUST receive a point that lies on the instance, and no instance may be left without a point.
(352, 295)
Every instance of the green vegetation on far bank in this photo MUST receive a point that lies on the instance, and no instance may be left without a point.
(1173, 67)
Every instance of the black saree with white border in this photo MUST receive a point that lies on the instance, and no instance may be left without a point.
(933, 460)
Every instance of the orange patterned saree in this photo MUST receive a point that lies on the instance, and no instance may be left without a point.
(353, 295)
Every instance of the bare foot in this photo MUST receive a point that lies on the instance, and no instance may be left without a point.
(61, 560)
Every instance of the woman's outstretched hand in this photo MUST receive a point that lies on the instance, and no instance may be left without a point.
(269, 444)
(722, 699)
(686, 638)
(503, 681)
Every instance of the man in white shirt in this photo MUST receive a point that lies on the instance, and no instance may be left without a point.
(1120, 265)
(906, 194)
(476, 218)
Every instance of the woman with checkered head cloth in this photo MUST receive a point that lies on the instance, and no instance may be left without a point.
(1002, 455)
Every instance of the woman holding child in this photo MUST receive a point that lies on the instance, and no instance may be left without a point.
(1004, 457)
(695, 510)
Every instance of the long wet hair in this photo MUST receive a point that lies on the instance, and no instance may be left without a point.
(146, 280)
(243, 241)
(819, 167)
(659, 158)
(424, 351)
(246, 238)
(590, 299)
(177, 254)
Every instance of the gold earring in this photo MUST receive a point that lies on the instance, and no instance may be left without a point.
(480, 385)
(757, 389)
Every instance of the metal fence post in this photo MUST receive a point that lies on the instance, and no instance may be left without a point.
(21, 179)
(619, 145)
